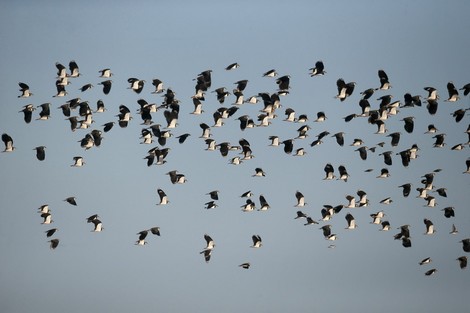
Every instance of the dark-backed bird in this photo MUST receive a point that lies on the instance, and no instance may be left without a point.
(78, 161)
(40, 153)
(163, 197)
(300, 199)
(74, 69)
(257, 243)
(329, 172)
(459, 114)
(449, 212)
(453, 92)
(430, 272)
(25, 91)
(310, 221)
(105, 73)
(462, 262)
(264, 205)
(8, 142)
(343, 173)
(366, 94)
(158, 84)
(176, 178)
(362, 152)
(98, 225)
(50, 232)
(344, 90)
(71, 200)
(47, 218)
(326, 230)
(136, 84)
(384, 82)
(259, 172)
(54, 243)
(245, 265)
(288, 145)
(351, 221)
(107, 84)
(270, 73)
(211, 205)
(406, 189)
(318, 70)
(28, 112)
(466, 244)
(232, 66)
(210, 244)
(300, 214)
(283, 82)
(429, 227)
(466, 89)
(45, 111)
(425, 261)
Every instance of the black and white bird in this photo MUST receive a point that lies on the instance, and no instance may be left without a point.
(245, 265)
(384, 82)
(176, 178)
(78, 161)
(300, 199)
(143, 234)
(232, 66)
(343, 173)
(47, 218)
(259, 172)
(158, 84)
(300, 214)
(163, 197)
(329, 172)
(270, 73)
(351, 221)
(74, 69)
(430, 272)
(318, 70)
(344, 89)
(429, 227)
(425, 261)
(8, 142)
(211, 205)
(98, 225)
(136, 84)
(384, 173)
(28, 113)
(210, 244)
(25, 91)
(105, 73)
(45, 111)
(257, 242)
(249, 206)
(453, 92)
(264, 205)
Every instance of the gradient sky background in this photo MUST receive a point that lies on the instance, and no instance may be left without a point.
(418, 44)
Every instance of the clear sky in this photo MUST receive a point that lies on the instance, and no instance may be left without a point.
(418, 43)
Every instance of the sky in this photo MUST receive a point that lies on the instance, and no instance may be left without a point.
(418, 44)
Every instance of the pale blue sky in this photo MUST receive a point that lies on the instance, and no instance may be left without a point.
(418, 44)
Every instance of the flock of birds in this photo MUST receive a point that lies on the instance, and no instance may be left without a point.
(81, 117)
